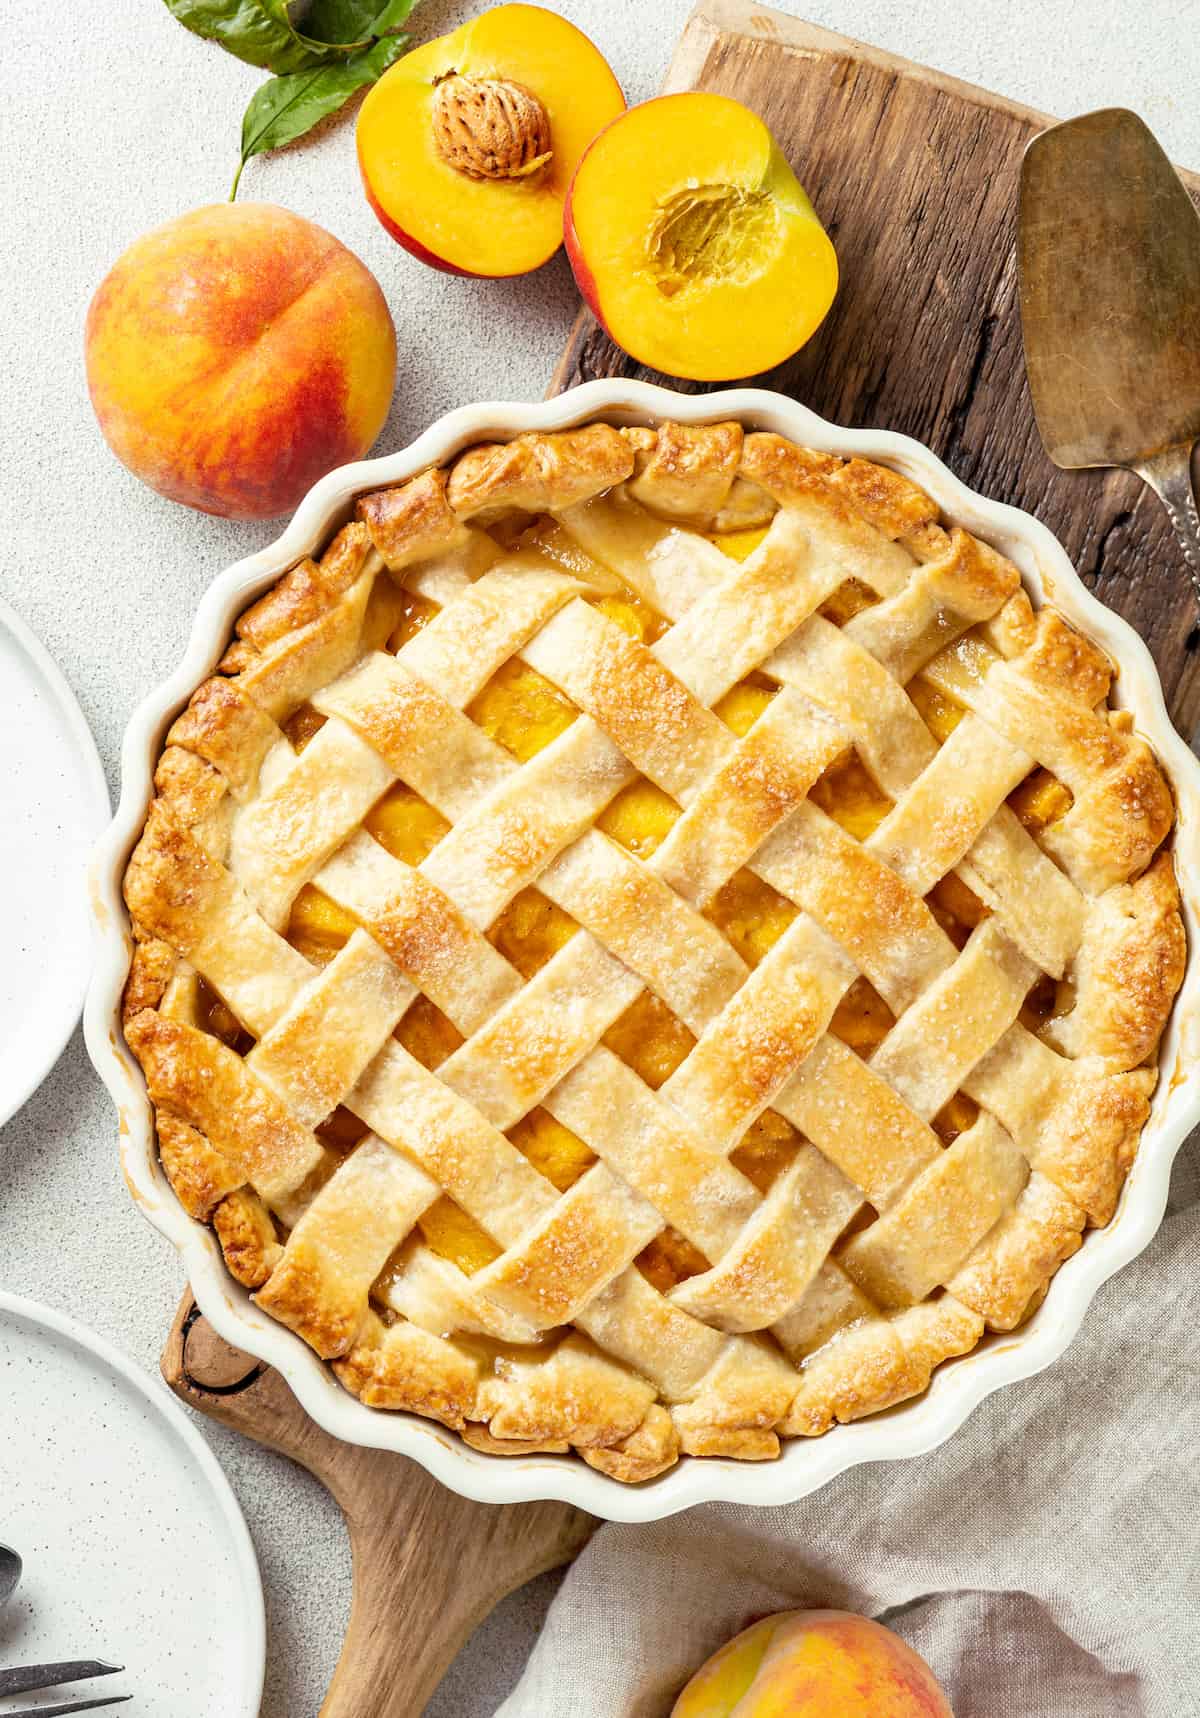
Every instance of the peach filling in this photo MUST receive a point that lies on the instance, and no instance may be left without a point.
(523, 712)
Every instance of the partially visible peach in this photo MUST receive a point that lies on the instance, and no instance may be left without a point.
(237, 354)
(814, 1664)
(693, 241)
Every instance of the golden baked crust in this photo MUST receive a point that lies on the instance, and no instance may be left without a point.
(650, 945)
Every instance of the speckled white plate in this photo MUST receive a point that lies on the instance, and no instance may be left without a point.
(53, 804)
(135, 1549)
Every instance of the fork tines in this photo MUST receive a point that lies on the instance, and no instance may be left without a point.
(30, 1678)
(71, 1706)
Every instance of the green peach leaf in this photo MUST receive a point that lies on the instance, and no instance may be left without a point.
(285, 108)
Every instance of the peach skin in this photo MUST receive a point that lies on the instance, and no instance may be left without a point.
(237, 354)
(814, 1664)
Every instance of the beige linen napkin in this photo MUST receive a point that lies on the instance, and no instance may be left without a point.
(1046, 1561)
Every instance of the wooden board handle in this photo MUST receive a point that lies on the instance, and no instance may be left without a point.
(428, 1565)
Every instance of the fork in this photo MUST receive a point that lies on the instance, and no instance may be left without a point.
(29, 1678)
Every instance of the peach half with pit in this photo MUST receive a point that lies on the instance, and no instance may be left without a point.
(237, 354)
(467, 145)
(814, 1664)
(693, 241)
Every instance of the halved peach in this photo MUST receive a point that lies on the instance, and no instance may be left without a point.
(467, 146)
(694, 243)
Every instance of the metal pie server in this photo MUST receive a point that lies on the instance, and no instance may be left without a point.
(1109, 261)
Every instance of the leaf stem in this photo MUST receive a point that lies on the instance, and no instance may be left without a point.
(233, 190)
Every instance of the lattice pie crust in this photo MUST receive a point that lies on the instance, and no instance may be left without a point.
(651, 945)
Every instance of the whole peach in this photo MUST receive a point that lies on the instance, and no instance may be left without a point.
(814, 1664)
(237, 354)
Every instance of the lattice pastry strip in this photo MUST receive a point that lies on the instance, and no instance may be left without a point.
(350, 1008)
(951, 1237)
(1121, 801)
(250, 1127)
(374, 1197)
(942, 1216)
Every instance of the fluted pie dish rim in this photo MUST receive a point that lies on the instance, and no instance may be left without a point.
(805, 1463)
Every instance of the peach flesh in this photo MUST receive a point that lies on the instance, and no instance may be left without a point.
(694, 243)
(482, 226)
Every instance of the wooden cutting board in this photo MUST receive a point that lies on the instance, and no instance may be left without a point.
(915, 176)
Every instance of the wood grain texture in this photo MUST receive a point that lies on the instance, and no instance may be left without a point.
(428, 1565)
(915, 176)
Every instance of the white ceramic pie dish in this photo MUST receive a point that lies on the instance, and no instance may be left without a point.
(804, 1465)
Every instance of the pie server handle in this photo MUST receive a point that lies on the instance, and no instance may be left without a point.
(1169, 474)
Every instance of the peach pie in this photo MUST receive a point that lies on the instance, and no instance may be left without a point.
(651, 945)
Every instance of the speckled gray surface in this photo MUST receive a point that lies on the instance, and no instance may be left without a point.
(116, 125)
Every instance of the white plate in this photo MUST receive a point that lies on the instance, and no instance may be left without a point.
(53, 804)
(135, 1550)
